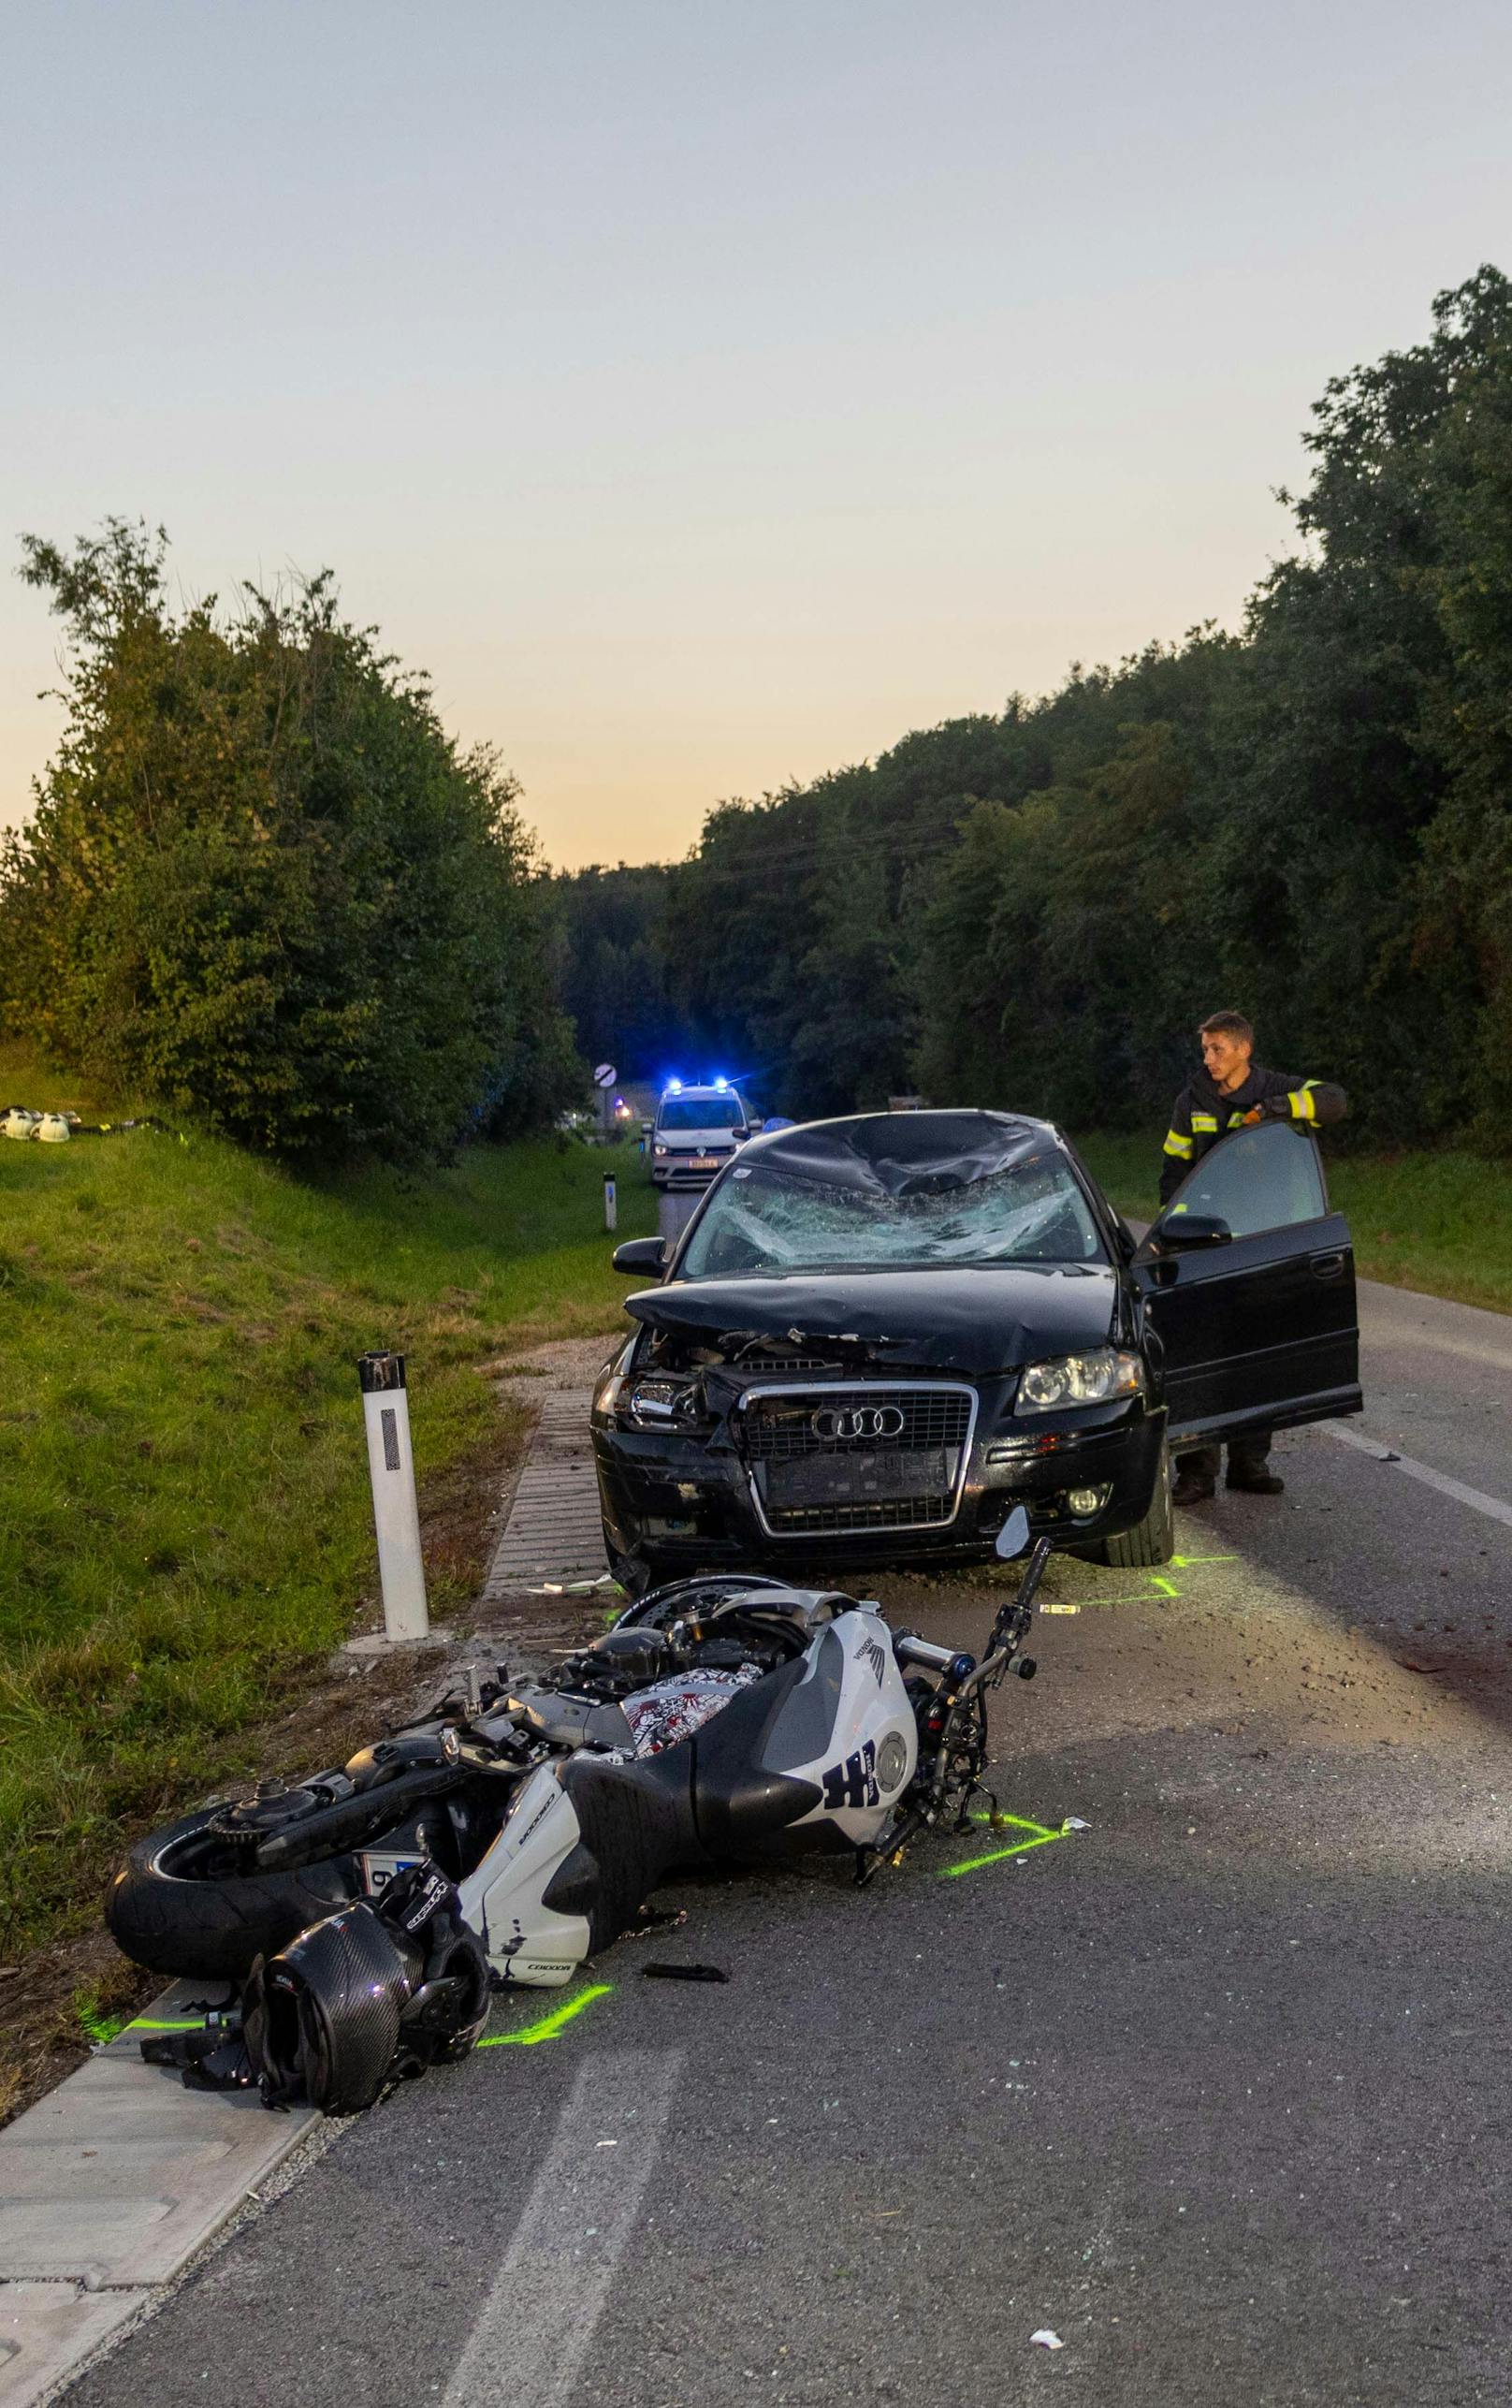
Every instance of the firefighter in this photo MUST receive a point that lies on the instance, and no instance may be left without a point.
(1230, 1092)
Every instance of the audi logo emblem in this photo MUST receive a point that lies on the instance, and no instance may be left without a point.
(857, 1422)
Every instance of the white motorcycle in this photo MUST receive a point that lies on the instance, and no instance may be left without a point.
(520, 1830)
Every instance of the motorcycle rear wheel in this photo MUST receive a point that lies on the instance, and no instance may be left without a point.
(165, 1914)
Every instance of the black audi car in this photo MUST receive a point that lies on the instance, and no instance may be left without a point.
(877, 1336)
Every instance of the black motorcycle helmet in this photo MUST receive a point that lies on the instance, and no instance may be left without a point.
(360, 2000)
(323, 2017)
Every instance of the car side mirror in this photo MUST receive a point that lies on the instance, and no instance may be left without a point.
(1182, 1232)
(754, 1128)
(1013, 1537)
(641, 1258)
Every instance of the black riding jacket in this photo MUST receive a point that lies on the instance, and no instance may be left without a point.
(1203, 1113)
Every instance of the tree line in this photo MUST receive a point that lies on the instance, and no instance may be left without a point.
(1310, 820)
(262, 884)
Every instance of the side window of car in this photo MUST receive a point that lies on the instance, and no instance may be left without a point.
(1264, 1177)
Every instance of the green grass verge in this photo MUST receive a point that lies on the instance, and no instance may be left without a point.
(185, 1526)
(1438, 1222)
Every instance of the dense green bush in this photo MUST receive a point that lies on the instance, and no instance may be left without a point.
(262, 884)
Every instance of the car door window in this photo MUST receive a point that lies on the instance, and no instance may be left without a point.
(1259, 1178)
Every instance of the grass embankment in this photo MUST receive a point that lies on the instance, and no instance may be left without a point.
(186, 1527)
(1438, 1222)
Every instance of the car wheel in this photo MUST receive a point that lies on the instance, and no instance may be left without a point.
(1151, 1542)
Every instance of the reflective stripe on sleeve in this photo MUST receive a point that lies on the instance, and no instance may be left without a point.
(1301, 1101)
(1179, 1145)
(1205, 1122)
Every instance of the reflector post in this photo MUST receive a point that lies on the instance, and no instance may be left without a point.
(395, 1509)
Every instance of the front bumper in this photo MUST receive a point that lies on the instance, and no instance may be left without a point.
(691, 1499)
(671, 1172)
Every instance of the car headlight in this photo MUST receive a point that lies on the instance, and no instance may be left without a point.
(659, 1149)
(658, 1398)
(1094, 1378)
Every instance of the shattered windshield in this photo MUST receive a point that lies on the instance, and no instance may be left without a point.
(766, 1219)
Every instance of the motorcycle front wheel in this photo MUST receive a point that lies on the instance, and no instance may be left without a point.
(179, 1906)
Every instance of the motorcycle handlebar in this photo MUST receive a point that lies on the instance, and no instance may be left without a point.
(910, 1650)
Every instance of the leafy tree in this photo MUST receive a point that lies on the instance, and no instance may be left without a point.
(262, 883)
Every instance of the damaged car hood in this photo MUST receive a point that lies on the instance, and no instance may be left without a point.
(972, 1320)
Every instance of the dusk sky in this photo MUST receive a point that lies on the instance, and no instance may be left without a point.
(707, 394)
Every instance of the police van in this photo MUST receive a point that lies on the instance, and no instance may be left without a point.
(695, 1132)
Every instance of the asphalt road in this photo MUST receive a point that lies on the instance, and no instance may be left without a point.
(1215, 2090)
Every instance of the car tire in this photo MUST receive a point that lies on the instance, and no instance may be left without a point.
(1151, 1542)
(164, 1918)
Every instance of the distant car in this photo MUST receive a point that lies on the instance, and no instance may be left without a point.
(696, 1131)
(877, 1336)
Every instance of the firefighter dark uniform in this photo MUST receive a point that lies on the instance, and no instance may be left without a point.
(1203, 1113)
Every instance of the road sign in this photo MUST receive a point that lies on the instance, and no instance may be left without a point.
(605, 1074)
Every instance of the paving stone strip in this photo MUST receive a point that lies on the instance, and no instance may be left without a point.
(554, 1532)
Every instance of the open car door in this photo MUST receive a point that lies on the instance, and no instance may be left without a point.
(1249, 1282)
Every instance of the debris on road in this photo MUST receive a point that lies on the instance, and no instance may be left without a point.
(660, 1971)
(1046, 2338)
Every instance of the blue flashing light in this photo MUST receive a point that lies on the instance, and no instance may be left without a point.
(721, 1084)
(675, 1087)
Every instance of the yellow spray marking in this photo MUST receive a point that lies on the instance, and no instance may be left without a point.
(1157, 1590)
(1035, 1836)
(549, 2025)
(148, 2023)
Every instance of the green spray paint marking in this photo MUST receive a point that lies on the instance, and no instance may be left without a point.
(1040, 1838)
(100, 2028)
(1157, 1589)
(549, 2025)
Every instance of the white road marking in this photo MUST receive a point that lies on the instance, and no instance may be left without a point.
(535, 2327)
(1474, 1498)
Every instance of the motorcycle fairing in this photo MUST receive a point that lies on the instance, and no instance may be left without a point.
(868, 1754)
(813, 1755)
(503, 1898)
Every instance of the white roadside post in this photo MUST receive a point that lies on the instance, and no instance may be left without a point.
(611, 1209)
(396, 1511)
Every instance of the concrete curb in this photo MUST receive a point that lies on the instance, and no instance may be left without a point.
(108, 2188)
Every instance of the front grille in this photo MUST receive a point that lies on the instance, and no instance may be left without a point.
(770, 1363)
(905, 1475)
(778, 1427)
(896, 1514)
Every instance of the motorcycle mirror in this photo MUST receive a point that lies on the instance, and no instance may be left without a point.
(1014, 1534)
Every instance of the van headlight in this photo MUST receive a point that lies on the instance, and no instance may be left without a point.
(1095, 1378)
(659, 1149)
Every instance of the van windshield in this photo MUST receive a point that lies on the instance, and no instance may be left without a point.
(700, 1112)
